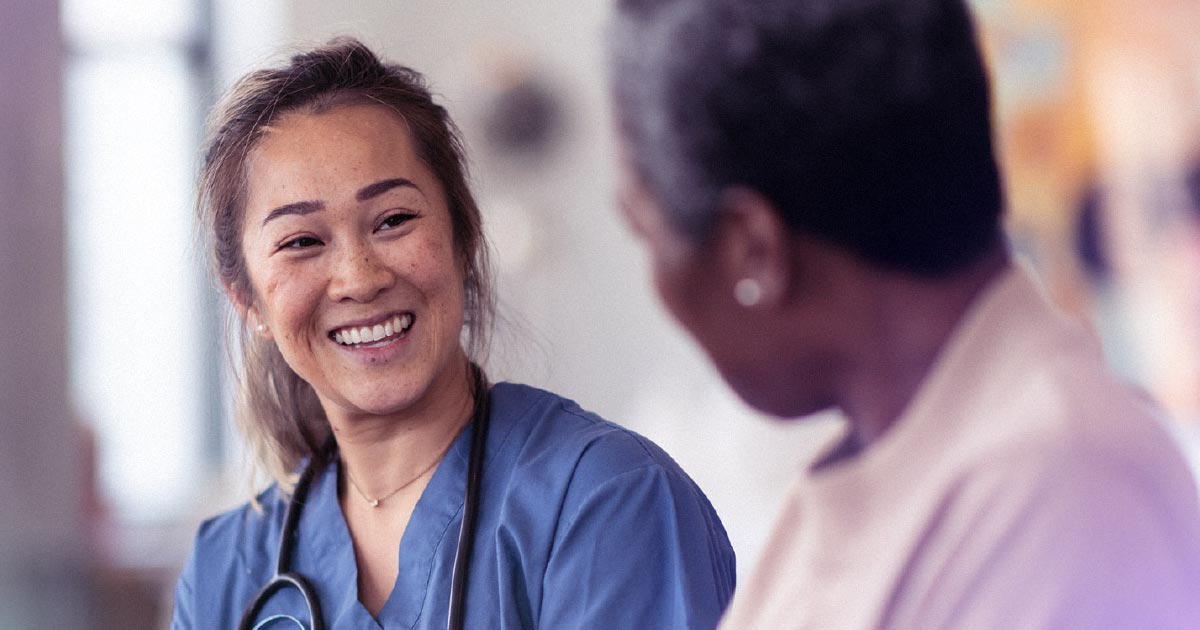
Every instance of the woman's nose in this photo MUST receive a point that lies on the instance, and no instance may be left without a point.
(359, 275)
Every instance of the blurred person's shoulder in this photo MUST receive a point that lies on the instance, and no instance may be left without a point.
(1034, 386)
(1064, 408)
(1024, 419)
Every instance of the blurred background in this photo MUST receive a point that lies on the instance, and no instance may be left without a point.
(114, 398)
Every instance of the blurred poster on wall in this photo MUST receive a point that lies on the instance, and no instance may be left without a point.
(1098, 112)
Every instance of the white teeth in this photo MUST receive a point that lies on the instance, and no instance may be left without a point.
(369, 334)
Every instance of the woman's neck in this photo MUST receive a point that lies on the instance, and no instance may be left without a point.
(916, 318)
(382, 452)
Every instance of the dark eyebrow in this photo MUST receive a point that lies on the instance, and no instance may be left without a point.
(380, 187)
(367, 192)
(300, 207)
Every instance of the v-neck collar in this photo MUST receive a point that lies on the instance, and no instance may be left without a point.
(326, 554)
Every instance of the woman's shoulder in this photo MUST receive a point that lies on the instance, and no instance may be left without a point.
(609, 491)
(252, 525)
(553, 428)
(225, 565)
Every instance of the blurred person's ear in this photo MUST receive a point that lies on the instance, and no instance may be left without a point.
(753, 248)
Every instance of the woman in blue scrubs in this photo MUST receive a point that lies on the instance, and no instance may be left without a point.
(343, 230)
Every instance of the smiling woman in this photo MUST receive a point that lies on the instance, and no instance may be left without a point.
(345, 229)
(347, 239)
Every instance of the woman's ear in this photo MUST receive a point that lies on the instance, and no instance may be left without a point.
(753, 252)
(246, 311)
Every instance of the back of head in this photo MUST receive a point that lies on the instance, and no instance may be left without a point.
(865, 122)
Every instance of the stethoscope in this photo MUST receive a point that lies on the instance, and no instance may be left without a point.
(284, 577)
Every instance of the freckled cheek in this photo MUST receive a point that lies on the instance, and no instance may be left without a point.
(272, 287)
(440, 280)
(291, 302)
(432, 267)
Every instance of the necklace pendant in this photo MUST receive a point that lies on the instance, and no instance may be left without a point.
(375, 503)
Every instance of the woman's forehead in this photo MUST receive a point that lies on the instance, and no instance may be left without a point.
(356, 126)
(334, 152)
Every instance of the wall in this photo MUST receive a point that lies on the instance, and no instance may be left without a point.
(41, 554)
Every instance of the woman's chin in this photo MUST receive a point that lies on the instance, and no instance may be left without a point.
(360, 404)
(387, 406)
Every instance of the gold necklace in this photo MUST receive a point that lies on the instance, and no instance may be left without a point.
(375, 502)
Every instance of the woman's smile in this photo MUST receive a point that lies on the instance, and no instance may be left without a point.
(376, 343)
(380, 333)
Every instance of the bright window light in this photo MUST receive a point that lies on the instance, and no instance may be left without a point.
(136, 336)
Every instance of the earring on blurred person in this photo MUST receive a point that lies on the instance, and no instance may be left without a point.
(261, 328)
(748, 292)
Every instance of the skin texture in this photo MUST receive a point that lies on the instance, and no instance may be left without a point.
(829, 331)
(696, 281)
(345, 225)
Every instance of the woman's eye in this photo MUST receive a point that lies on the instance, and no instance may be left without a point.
(301, 242)
(395, 220)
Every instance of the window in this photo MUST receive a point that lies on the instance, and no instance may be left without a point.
(143, 366)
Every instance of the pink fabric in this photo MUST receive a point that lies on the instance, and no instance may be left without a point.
(1024, 488)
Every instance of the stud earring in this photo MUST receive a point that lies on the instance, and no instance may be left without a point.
(261, 328)
(748, 292)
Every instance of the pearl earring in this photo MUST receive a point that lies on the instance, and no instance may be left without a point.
(748, 292)
(261, 328)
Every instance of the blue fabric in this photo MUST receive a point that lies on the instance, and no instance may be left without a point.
(582, 524)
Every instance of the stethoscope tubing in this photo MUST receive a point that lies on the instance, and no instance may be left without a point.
(466, 529)
(285, 577)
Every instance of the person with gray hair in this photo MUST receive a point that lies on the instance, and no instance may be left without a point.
(816, 184)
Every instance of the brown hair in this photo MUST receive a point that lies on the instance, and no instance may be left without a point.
(279, 412)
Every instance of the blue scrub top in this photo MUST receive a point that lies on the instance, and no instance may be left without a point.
(582, 524)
